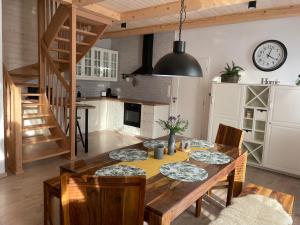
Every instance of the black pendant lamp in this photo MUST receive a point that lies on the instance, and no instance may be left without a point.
(178, 63)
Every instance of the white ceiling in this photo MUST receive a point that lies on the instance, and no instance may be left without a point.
(128, 5)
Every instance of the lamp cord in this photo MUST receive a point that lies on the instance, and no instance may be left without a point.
(182, 17)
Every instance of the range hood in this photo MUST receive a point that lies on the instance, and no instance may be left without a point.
(146, 68)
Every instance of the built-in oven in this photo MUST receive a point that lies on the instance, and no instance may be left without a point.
(132, 114)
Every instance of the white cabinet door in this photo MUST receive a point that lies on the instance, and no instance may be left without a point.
(114, 65)
(97, 116)
(105, 63)
(119, 115)
(226, 107)
(283, 131)
(79, 69)
(110, 115)
(88, 64)
(282, 151)
(96, 62)
(115, 115)
(285, 105)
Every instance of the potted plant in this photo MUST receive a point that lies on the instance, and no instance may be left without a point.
(231, 73)
(174, 125)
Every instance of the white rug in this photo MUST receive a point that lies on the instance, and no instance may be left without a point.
(253, 210)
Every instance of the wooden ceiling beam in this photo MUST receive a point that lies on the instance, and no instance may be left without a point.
(86, 2)
(263, 14)
(173, 8)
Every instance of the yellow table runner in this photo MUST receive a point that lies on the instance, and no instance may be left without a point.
(152, 166)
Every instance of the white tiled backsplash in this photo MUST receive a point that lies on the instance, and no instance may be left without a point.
(91, 88)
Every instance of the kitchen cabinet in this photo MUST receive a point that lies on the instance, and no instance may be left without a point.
(115, 115)
(97, 116)
(98, 64)
(225, 107)
(269, 117)
(283, 134)
(108, 114)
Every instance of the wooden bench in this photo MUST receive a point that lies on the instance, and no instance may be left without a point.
(286, 200)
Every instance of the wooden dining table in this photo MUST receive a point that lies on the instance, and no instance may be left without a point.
(165, 198)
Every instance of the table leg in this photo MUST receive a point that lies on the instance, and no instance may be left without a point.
(46, 203)
(230, 187)
(155, 219)
(75, 131)
(86, 142)
(198, 207)
(47, 206)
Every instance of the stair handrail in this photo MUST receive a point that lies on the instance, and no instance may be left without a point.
(12, 123)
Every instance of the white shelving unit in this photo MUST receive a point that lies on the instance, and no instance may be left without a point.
(254, 121)
(270, 117)
(98, 64)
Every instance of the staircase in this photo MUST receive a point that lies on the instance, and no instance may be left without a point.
(40, 97)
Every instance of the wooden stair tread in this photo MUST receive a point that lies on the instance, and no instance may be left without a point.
(38, 154)
(31, 94)
(67, 40)
(40, 139)
(61, 60)
(31, 105)
(79, 31)
(35, 115)
(63, 51)
(24, 84)
(38, 127)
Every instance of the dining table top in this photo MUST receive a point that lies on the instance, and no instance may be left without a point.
(164, 196)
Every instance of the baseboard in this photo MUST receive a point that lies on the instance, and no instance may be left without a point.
(2, 175)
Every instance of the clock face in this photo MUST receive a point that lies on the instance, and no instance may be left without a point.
(269, 55)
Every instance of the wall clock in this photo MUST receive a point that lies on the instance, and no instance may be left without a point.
(269, 55)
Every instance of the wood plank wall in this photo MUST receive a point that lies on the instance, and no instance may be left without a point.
(20, 45)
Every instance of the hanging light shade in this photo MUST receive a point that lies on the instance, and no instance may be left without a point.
(178, 63)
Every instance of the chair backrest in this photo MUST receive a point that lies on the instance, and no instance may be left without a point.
(229, 136)
(91, 200)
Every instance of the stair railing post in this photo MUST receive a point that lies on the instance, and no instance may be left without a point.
(17, 123)
(72, 94)
(41, 30)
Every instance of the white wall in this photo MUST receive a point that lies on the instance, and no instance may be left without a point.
(2, 154)
(237, 42)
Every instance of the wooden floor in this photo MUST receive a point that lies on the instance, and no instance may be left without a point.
(21, 197)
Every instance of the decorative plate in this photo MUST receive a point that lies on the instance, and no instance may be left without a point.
(210, 157)
(128, 154)
(154, 143)
(184, 172)
(120, 170)
(201, 143)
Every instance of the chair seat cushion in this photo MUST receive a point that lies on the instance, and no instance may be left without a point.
(254, 210)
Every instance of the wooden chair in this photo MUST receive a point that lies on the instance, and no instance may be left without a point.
(102, 200)
(286, 200)
(232, 137)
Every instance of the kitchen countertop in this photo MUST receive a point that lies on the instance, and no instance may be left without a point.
(143, 102)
